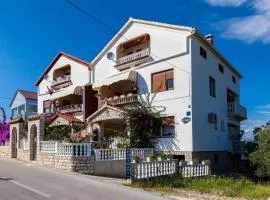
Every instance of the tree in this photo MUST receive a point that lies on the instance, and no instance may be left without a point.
(143, 119)
(261, 157)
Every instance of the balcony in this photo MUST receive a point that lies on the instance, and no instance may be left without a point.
(237, 111)
(69, 108)
(236, 146)
(120, 100)
(60, 82)
(133, 59)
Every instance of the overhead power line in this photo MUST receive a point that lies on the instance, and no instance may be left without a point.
(112, 29)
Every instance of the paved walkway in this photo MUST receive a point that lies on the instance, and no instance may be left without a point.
(24, 181)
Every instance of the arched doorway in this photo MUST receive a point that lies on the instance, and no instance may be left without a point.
(14, 143)
(33, 142)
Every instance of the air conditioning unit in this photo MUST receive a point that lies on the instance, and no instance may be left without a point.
(212, 118)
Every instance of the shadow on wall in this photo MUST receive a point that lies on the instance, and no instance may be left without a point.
(143, 88)
(168, 144)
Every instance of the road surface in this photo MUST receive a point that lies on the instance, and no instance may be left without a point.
(24, 181)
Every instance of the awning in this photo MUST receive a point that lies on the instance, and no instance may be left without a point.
(72, 89)
(130, 75)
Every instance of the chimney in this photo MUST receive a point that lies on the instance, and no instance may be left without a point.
(209, 38)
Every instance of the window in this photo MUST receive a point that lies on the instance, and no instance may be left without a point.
(163, 81)
(222, 125)
(212, 120)
(203, 53)
(221, 68)
(212, 87)
(46, 106)
(164, 127)
(168, 127)
(233, 79)
(169, 84)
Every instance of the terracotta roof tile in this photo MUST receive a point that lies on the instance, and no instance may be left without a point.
(28, 95)
(68, 117)
(33, 117)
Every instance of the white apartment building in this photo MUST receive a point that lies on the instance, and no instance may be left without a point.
(198, 86)
(62, 89)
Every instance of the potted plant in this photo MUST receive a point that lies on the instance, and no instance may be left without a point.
(196, 162)
(136, 159)
(153, 157)
(206, 162)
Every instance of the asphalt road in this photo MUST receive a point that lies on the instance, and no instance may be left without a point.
(23, 181)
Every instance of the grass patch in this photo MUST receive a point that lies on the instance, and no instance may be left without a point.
(240, 187)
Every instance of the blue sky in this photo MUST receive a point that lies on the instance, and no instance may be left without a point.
(32, 32)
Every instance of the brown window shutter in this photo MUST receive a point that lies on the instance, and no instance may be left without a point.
(168, 121)
(158, 82)
(169, 74)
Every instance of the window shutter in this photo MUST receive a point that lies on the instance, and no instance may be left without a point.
(159, 82)
(169, 74)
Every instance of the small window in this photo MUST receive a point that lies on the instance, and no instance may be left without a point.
(169, 84)
(233, 79)
(168, 127)
(138, 50)
(129, 53)
(164, 127)
(221, 68)
(203, 53)
(163, 81)
(212, 87)
(222, 125)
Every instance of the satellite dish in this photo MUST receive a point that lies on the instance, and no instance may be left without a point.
(110, 56)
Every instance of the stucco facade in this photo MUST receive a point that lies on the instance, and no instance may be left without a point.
(178, 48)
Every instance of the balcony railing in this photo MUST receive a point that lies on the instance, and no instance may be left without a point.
(132, 57)
(69, 108)
(60, 81)
(120, 100)
(235, 109)
(236, 146)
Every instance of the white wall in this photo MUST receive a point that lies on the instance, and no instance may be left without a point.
(164, 43)
(79, 77)
(205, 137)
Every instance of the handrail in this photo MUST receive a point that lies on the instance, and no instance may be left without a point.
(134, 56)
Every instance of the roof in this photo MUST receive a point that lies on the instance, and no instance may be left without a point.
(75, 59)
(105, 106)
(26, 94)
(67, 117)
(193, 32)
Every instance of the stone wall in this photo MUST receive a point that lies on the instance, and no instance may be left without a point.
(23, 154)
(5, 151)
(83, 164)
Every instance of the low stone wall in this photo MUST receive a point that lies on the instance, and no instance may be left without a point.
(23, 154)
(110, 168)
(83, 164)
(5, 151)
